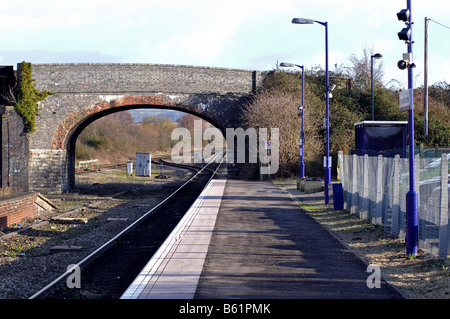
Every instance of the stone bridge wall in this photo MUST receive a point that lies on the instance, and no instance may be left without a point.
(86, 92)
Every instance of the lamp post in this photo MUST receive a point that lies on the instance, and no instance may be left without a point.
(327, 97)
(376, 56)
(301, 112)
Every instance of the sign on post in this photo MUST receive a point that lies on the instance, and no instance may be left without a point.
(405, 100)
(325, 161)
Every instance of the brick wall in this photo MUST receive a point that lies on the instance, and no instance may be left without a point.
(14, 208)
(47, 168)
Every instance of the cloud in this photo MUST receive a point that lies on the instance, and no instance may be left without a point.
(203, 33)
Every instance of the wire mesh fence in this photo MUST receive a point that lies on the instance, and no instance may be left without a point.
(375, 188)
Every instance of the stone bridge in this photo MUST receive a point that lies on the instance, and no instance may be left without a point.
(87, 92)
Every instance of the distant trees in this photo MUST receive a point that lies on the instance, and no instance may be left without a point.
(116, 138)
(160, 129)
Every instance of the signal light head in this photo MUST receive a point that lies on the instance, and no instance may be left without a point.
(405, 34)
(403, 15)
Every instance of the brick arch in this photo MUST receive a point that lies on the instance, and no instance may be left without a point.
(65, 137)
(71, 123)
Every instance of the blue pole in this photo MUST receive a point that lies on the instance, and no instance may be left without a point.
(327, 97)
(327, 93)
(302, 133)
(412, 216)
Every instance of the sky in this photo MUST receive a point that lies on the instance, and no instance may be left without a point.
(241, 34)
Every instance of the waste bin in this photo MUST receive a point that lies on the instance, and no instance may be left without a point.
(129, 168)
(338, 196)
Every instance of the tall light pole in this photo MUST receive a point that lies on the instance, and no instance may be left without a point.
(376, 56)
(301, 110)
(425, 82)
(412, 215)
(327, 97)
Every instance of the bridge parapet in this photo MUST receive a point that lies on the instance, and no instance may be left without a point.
(140, 78)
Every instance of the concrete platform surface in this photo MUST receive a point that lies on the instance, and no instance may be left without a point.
(264, 246)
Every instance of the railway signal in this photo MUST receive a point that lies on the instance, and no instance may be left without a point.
(412, 215)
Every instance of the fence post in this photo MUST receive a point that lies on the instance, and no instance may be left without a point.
(354, 195)
(417, 177)
(363, 211)
(443, 209)
(340, 167)
(376, 219)
(342, 176)
(345, 182)
(395, 196)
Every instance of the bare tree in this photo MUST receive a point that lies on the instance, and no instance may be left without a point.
(361, 70)
(10, 95)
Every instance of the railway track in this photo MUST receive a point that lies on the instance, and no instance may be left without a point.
(107, 272)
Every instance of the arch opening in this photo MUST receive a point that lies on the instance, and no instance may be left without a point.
(74, 132)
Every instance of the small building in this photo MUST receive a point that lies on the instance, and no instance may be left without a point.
(387, 138)
(143, 164)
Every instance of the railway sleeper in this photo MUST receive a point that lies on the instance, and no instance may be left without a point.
(65, 248)
(68, 220)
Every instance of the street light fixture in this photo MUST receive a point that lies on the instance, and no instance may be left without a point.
(302, 113)
(303, 21)
(375, 56)
(327, 96)
(288, 65)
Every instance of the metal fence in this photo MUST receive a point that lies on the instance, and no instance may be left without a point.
(375, 189)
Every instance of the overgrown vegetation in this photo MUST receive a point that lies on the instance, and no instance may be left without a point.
(276, 107)
(28, 97)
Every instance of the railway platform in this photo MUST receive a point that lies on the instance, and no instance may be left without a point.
(250, 240)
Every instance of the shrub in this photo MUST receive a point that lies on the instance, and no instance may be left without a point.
(28, 97)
